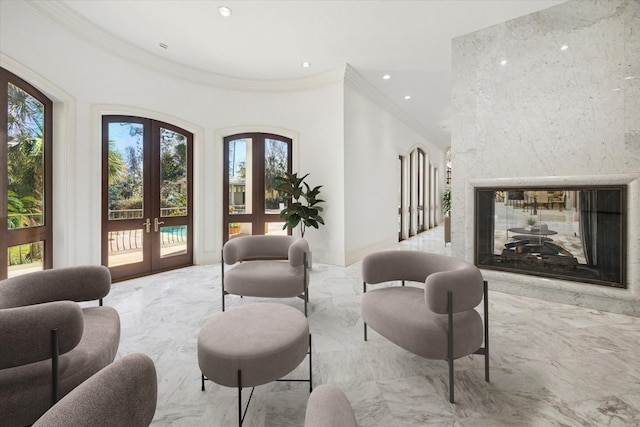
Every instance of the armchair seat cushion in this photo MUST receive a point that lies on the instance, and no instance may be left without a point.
(400, 315)
(25, 391)
(275, 279)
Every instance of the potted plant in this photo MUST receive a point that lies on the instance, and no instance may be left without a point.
(234, 228)
(303, 207)
(446, 201)
(446, 208)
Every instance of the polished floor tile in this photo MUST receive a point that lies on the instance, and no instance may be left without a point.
(551, 364)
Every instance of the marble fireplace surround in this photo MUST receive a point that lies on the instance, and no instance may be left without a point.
(617, 300)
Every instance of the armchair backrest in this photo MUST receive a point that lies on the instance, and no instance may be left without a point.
(39, 319)
(265, 247)
(328, 406)
(440, 274)
(81, 283)
(124, 394)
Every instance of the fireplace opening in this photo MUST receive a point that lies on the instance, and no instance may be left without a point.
(570, 233)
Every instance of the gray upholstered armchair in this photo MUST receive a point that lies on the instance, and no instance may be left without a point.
(438, 322)
(49, 343)
(266, 266)
(124, 394)
(329, 407)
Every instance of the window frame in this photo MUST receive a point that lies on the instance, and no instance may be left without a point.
(42, 233)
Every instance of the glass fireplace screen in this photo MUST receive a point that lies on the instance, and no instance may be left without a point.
(568, 233)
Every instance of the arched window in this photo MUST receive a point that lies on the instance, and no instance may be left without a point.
(251, 204)
(25, 177)
(421, 195)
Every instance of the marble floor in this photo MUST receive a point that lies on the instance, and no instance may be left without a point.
(551, 364)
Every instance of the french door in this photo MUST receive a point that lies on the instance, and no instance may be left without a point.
(251, 204)
(401, 199)
(147, 201)
(421, 168)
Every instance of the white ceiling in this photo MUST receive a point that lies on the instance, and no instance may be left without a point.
(268, 40)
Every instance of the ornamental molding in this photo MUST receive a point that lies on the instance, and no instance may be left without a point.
(84, 29)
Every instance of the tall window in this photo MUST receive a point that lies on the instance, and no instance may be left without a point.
(420, 195)
(25, 172)
(252, 204)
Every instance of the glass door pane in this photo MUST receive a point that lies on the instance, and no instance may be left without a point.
(173, 174)
(126, 193)
(25, 258)
(173, 241)
(126, 189)
(125, 247)
(276, 159)
(240, 176)
(421, 190)
(174, 154)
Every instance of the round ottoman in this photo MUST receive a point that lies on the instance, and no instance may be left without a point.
(253, 345)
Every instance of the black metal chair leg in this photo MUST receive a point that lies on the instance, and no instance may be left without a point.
(450, 344)
(239, 397)
(222, 286)
(486, 331)
(55, 354)
(310, 367)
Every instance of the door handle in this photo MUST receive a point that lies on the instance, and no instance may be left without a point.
(147, 224)
(156, 224)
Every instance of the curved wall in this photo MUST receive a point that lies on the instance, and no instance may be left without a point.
(86, 80)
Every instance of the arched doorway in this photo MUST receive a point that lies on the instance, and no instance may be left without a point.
(147, 200)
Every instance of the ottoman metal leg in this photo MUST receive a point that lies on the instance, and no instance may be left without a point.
(310, 380)
(241, 415)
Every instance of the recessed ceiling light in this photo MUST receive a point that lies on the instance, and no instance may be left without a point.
(224, 11)
(564, 47)
(386, 77)
(306, 64)
(163, 45)
(503, 62)
(407, 97)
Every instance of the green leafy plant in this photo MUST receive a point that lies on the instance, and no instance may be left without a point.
(531, 220)
(446, 201)
(303, 207)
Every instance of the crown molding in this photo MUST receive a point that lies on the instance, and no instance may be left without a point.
(76, 24)
(367, 89)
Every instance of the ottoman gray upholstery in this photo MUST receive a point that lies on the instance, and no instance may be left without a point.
(252, 345)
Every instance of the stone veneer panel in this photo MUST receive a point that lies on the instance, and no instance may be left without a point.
(550, 116)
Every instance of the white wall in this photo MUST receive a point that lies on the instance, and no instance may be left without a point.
(373, 139)
(86, 81)
(551, 116)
